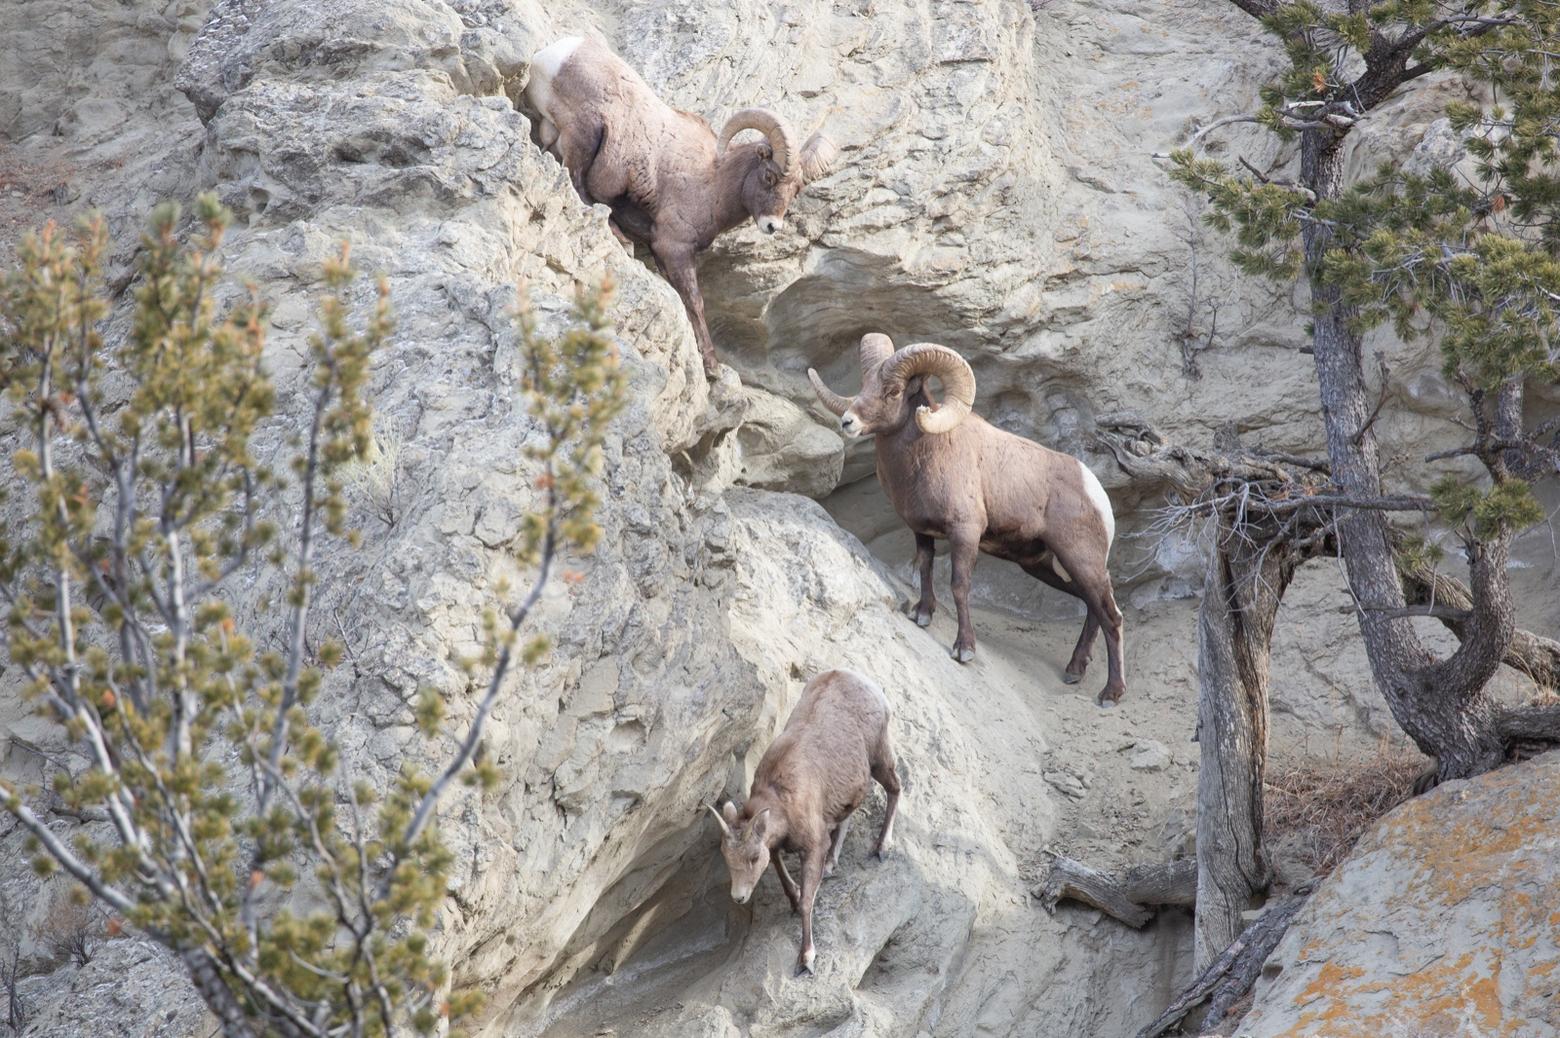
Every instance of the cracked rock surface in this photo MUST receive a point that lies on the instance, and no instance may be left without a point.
(995, 192)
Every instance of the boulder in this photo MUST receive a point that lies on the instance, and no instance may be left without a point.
(1441, 924)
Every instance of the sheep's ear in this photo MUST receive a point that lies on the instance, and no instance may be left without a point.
(765, 152)
(761, 824)
(728, 811)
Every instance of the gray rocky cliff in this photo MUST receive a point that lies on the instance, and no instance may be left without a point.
(995, 192)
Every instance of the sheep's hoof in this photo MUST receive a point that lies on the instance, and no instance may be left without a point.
(1069, 678)
(923, 619)
(881, 854)
(805, 963)
(963, 655)
(1110, 696)
(828, 869)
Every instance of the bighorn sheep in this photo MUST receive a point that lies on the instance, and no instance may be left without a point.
(950, 474)
(671, 184)
(808, 783)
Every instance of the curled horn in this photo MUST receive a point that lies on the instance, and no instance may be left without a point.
(925, 358)
(724, 828)
(832, 400)
(771, 126)
(818, 155)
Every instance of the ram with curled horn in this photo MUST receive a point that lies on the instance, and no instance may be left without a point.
(950, 474)
(670, 182)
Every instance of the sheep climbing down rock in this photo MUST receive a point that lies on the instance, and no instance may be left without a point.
(808, 784)
(670, 182)
(949, 474)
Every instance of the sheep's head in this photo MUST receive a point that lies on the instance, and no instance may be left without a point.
(776, 171)
(745, 848)
(891, 382)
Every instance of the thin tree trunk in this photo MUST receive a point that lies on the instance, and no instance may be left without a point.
(1442, 706)
(1245, 582)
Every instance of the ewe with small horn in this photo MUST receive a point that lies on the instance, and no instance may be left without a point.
(807, 785)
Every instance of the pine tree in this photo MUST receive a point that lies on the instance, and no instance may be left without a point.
(1472, 263)
(138, 496)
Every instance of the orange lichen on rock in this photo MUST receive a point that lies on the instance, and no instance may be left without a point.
(1440, 923)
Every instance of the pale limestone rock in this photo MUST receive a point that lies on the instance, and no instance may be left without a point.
(1149, 755)
(995, 192)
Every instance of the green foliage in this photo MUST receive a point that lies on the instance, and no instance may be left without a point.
(1262, 218)
(1508, 505)
(1474, 261)
(143, 496)
(574, 389)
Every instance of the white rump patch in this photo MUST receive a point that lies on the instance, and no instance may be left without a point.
(1101, 502)
(544, 67)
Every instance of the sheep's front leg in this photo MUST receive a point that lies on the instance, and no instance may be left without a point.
(681, 267)
(966, 548)
(925, 553)
(834, 848)
(812, 876)
(787, 884)
(577, 148)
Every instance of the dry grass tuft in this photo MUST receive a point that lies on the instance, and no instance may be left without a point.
(1319, 810)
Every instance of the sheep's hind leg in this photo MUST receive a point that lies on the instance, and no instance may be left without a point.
(577, 149)
(1094, 588)
(885, 771)
(834, 847)
(787, 884)
(966, 548)
(1043, 572)
(1081, 652)
(925, 554)
(1114, 624)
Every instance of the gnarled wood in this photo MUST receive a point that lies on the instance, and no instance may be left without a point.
(1534, 655)
(1241, 594)
(1530, 724)
(1442, 704)
(1132, 896)
(1270, 513)
(1226, 980)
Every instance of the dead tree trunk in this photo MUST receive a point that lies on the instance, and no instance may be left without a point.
(1131, 897)
(1264, 528)
(1245, 583)
(1224, 981)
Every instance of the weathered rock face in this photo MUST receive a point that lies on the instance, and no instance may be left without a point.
(679, 654)
(1442, 923)
(995, 193)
